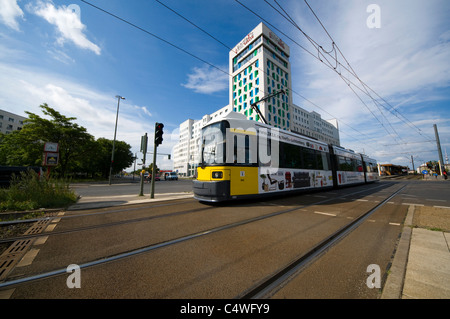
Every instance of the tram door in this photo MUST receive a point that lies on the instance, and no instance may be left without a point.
(244, 181)
(244, 172)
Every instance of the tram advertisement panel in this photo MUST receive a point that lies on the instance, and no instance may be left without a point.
(290, 179)
(347, 177)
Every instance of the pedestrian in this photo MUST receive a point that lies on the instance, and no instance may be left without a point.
(445, 174)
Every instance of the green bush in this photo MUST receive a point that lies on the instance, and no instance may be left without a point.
(28, 192)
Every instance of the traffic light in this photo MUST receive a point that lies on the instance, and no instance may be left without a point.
(158, 133)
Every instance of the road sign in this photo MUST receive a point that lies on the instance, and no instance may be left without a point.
(51, 147)
(424, 172)
(51, 159)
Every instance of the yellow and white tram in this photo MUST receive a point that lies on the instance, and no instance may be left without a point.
(244, 159)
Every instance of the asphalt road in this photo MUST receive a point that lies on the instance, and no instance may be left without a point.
(228, 262)
(126, 186)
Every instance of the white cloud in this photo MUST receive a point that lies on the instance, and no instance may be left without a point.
(9, 12)
(207, 80)
(24, 90)
(68, 23)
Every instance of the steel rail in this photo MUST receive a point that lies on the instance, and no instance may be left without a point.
(33, 220)
(121, 222)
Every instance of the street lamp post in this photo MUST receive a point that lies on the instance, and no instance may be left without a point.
(114, 141)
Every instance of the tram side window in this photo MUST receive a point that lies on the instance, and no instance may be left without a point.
(372, 168)
(323, 160)
(248, 151)
(290, 156)
(295, 156)
(309, 158)
(345, 164)
(266, 144)
(242, 149)
(359, 165)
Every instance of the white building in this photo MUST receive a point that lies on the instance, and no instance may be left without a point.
(259, 66)
(10, 122)
(186, 152)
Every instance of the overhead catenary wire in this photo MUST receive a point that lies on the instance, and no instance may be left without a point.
(155, 36)
(261, 69)
(195, 56)
(189, 53)
(319, 49)
(405, 120)
(303, 48)
(337, 63)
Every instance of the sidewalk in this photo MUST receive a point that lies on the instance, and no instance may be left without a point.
(91, 202)
(421, 266)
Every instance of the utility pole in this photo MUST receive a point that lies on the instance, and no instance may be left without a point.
(412, 161)
(441, 160)
(135, 158)
(114, 141)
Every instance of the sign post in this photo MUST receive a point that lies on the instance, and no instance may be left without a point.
(144, 140)
(51, 156)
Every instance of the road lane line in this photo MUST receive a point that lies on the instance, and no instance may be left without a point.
(28, 258)
(50, 228)
(40, 240)
(322, 213)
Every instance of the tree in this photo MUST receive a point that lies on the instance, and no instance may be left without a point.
(26, 147)
(59, 129)
(79, 152)
(19, 149)
(100, 159)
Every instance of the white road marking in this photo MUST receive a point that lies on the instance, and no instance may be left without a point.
(50, 228)
(394, 224)
(322, 213)
(28, 258)
(41, 240)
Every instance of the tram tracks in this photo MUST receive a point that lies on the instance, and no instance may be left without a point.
(184, 238)
(96, 226)
(274, 282)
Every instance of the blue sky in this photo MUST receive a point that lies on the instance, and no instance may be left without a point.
(77, 59)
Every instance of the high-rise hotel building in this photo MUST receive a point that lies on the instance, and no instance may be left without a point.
(260, 66)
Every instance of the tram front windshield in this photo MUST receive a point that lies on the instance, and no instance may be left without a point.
(213, 143)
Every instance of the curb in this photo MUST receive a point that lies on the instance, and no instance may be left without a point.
(394, 284)
(110, 201)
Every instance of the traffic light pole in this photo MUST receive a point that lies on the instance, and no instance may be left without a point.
(152, 195)
(157, 141)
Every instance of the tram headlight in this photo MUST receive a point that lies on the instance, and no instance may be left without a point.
(217, 174)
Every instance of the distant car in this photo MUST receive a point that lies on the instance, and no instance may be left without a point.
(171, 176)
(7, 172)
